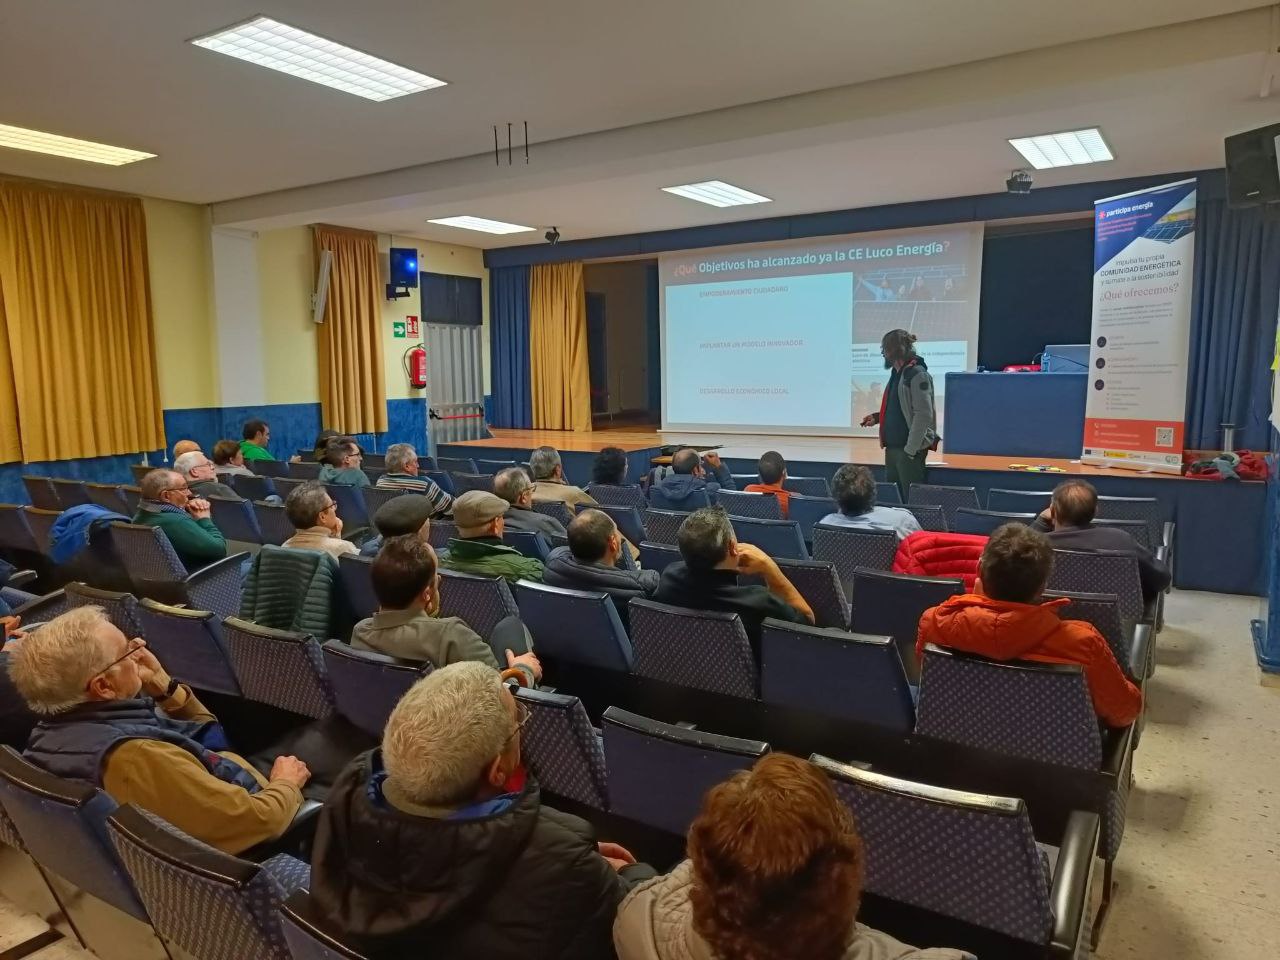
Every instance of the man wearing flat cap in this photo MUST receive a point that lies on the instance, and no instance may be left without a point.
(478, 547)
(401, 516)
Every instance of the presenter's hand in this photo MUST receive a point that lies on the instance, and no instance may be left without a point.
(871, 419)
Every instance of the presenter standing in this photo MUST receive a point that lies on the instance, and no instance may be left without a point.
(908, 419)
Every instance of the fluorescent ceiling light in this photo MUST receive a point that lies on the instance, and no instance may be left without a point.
(480, 223)
(1064, 149)
(717, 193)
(20, 138)
(279, 46)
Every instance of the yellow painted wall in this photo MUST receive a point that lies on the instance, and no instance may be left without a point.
(181, 267)
(286, 280)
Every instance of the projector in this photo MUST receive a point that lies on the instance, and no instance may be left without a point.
(1019, 182)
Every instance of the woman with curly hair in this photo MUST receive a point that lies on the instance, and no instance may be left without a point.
(774, 872)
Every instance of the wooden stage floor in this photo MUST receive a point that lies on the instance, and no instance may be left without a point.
(865, 450)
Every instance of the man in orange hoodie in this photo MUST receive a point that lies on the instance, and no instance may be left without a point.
(1004, 619)
(773, 474)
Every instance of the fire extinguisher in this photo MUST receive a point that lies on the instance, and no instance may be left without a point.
(415, 366)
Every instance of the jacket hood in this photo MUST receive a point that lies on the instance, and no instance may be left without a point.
(677, 485)
(994, 628)
(387, 873)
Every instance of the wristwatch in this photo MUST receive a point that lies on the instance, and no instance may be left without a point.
(169, 691)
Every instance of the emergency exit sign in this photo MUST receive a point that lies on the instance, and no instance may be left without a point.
(398, 329)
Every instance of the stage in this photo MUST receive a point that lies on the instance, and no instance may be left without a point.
(1220, 537)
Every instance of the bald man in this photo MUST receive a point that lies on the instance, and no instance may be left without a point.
(185, 446)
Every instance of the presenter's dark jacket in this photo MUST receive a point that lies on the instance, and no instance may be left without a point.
(908, 416)
(1153, 574)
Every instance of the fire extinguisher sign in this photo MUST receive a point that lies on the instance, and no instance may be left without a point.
(411, 326)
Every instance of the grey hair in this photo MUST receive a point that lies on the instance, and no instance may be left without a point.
(445, 731)
(511, 483)
(543, 462)
(188, 462)
(305, 504)
(157, 482)
(52, 666)
(704, 538)
(399, 456)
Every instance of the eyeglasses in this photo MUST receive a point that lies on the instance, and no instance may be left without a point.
(331, 505)
(132, 647)
(522, 717)
(184, 489)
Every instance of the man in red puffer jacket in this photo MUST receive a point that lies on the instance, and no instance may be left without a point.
(933, 554)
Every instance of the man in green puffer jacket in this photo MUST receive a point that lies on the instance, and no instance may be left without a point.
(478, 547)
(167, 503)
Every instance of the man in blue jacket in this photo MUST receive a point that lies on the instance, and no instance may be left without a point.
(686, 487)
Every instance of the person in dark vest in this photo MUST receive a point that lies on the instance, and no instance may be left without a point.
(112, 716)
(908, 417)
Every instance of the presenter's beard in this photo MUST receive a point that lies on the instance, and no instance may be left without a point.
(888, 364)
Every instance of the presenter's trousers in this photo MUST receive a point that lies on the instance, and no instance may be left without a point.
(902, 469)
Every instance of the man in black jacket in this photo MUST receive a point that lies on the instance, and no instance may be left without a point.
(595, 544)
(514, 486)
(1068, 522)
(437, 845)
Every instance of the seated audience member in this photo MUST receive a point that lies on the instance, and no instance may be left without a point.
(166, 502)
(113, 717)
(408, 624)
(184, 446)
(314, 515)
(854, 490)
(399, 517)
(1003, 619)
(322, 441)
(775, 872)
(478, 547)
(201, 479)
(587, 563)
(342, 458)
(686, 486)
(228, 460)
(514, 486)
(403, 474)
(1068, 523)
(773, 472)
(549, 483)
(257, 434)
(438, 845)
(707, 577)
(610, 467)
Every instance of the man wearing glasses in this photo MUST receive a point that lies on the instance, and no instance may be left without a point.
(113, 717)
(314, 514)
(167, 503)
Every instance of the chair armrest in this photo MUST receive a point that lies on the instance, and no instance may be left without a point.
(296, 838)
(1070, 885)
(20, 577)
(1117, 744)
(1166, 534)
(217, 587)
(1140, 651)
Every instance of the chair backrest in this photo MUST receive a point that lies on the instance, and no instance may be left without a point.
(269, 468)
(848, 675)
(121, 608)
(576, 626)
(949, 498)
(930, 516)
(762, 506)
(692, 648)
(493, 467)
(372, 472)
(778, 538)
(43, 609)
(367, 685)
(1103, 611)
(377, 460)
(304, 932)
(140, 470)
(808, 512)
(273, 523)
(15, 531)
(656, 556)
(562, 748)
(1088, 571)
(132, 497)
(441, 532)
(41, 493)
(619, 495)
(1138, 529)
(556, 509)
(235, 519)
(70, 493)
(1146, 509)
(481, 602)
(41, 522)
(988, 871)
(149, 560)
(1039, 711)
(350, 504)
(891, 604)
(305, 470)
(985, 522)
(375, 497)
(463, 482)
(286, 485)
(663, 526)
(1018, 501)
(456, 464)
(440, 478)
(253, 488)
(106, 495)
(659, 772)
(62, 825)
(356, 574)
(278, 667)
(189, 643)
(888, 493)
(819, 584)
(629, 519)
(211, 904)
(529, 542)
(807, 486)
(851, 550)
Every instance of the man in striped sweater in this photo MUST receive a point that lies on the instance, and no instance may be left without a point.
(402, 474)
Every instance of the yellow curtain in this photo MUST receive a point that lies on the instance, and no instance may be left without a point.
(352, 393)
(75, 318)
(561, 380)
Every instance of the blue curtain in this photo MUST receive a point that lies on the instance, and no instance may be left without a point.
(509, 347)
(1233, 323)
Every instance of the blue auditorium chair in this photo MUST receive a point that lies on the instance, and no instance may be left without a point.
(441, 532)
(43, 608)
(1138, 529)
(1130, 643)
(350, 506)
(659, 772)
(618, 495)
(305, 932)
(851, 550)
(441, 479)
(562, 748)
(367, 685)
(286, 485)
(140, 470)
(780, 539)
(656, 556)
(847, 675)
(529, 542)
(1096, 571)
(555, 509)
(132, 498)
(807, 486)
(41, 522)
(270, 468)
(456, 464)
(481, 602)
(1018, 501)
(375, 497)
(190, 645)
(305, 470)
(1146, 509)
(107, 496)
(949, 498)
(156, 571)
(761, 506)
(41, 493)
(17, 539)
(357, 583)
(888, 493)
(493, 467)
(891, 604)
(235, 520)
(272, 522)
(253, 488)
(464, 482)
(985, 522)
(121, 608)
(663, 526)
(930, 516)
(809, 511)
(574, 626)
(701, 649)
(282, 668)
(629, 519)
(819, 584)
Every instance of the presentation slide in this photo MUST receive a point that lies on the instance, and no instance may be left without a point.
(785, 337)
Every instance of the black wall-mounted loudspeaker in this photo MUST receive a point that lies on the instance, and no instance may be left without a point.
(404, 267)
(1253, 176)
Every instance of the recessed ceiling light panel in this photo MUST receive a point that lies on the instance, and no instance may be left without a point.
(482, 224)
(1064, 149)
(36, 141)
(278, 46)
(717, 193)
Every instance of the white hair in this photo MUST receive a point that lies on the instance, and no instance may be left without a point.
(188, 462)
(511, 483)
(399, 456)
(543, 462)
(445, 731)
(52, 666)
